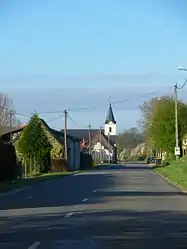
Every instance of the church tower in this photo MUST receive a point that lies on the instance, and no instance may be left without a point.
(110, 123)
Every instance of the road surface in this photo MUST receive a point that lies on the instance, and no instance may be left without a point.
(111, 207)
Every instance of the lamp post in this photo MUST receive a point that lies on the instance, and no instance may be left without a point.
(181, 68)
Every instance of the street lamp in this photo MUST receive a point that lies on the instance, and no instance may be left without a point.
(181, 68)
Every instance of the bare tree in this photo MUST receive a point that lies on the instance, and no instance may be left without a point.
(7, 113)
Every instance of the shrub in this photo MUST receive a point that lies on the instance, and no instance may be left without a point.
(34, 143)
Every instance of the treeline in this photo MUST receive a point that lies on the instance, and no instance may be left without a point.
(130, 139)
(158, 123)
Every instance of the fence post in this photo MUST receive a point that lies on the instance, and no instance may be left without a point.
(25, 167)
(35, 168)
(30, 166)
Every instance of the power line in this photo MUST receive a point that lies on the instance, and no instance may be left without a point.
(75, 122)
(83, 108)
(56, 118)
(106, 104)
(182, 85)
(72, 119)
(113, 102)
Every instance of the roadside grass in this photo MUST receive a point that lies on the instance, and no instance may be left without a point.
(8, 186)
(134, 162)
(176, 172)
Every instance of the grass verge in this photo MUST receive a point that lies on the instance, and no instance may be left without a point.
(176, 172)
(8, 186)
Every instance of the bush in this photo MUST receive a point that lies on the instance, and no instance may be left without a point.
(164, 163)
(59, 165)
(141, 158)
(34, 143)
(148, 159)
(168, 160)
(8, 162)
(86, 161)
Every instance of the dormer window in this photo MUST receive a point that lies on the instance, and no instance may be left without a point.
(110, 129)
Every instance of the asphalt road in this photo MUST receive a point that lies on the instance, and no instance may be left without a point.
(111, 207)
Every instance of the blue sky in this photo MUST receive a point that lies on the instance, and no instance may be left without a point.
(69, 54)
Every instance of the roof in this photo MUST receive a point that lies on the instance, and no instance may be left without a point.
(7, 129)
(59, 135)
(110, 116)
(113, 139)
(83, 134)
(104, 140)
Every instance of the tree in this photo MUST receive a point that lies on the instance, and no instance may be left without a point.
(159, 122)
(7, 112)
(33, 142)
(129, 139)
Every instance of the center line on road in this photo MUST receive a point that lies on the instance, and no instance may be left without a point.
(68, 215)
(85, 199)
(34, 245)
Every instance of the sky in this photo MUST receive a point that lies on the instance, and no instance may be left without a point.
(76, 54)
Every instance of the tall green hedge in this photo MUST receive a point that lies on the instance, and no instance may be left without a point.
(34, 143)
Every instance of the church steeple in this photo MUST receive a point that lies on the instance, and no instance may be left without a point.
(110, 122)
(110, 116)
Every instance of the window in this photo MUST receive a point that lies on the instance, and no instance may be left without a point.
(185, 141)
(110, 129)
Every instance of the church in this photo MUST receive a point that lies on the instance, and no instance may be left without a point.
(100, 143)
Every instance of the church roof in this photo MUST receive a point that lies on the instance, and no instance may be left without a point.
(84, 134)
(110, 116)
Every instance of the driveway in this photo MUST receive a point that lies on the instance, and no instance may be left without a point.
(109, 207)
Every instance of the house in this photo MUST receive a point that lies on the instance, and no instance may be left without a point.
(103, 142)
(56, 139)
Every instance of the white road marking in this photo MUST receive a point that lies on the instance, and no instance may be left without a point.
(34, 245)
(95, 190)
(85, 199)
(29, 197)
(68, 215)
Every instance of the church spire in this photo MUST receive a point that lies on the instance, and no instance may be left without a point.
(110, 115)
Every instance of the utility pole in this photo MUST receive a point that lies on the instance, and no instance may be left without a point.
(109, 147)
(89, 131)
(100, 140)
(65, 135)
(177, 148)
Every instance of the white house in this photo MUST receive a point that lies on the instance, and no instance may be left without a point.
(103, 144)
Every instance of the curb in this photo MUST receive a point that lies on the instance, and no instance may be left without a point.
(184, 191)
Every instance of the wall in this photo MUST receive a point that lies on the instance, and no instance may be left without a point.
(113, 127)
(104, 153)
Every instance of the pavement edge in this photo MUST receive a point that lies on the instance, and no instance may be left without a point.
(18, 190)
(171, 183)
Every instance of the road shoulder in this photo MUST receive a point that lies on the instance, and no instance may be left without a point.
(178, 187)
